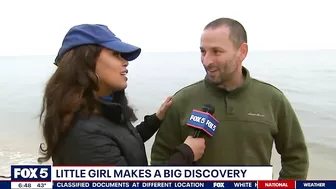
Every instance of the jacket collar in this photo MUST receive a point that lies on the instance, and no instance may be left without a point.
(112, 111)
(236, 91)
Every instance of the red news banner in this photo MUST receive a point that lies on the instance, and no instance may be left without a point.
(290, 184)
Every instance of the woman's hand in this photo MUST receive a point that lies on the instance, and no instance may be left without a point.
(160, 114)
(197, 145)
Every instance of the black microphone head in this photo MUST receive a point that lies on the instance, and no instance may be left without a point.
(208, 108)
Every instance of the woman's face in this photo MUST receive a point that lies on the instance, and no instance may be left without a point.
(111, 69)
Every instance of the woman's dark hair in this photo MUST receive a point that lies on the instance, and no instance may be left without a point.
(70, 90)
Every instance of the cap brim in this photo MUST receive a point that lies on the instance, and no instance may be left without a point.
(128, 52)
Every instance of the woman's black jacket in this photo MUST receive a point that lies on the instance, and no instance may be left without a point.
(110, 140)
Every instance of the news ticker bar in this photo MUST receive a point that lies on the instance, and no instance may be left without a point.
(274, 184)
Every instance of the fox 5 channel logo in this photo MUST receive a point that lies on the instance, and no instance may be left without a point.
(41, 173)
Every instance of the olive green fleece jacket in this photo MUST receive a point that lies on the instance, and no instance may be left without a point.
(250, 117)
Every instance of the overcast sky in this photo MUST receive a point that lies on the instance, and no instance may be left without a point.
(38, 27)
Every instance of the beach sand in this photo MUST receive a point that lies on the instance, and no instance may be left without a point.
(322, 166)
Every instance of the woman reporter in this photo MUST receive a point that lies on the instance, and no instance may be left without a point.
(85, 114)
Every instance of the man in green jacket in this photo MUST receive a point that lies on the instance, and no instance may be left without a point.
(252, 114)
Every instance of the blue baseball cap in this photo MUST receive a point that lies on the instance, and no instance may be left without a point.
(97, 34)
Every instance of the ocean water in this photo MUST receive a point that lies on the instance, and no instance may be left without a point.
(307, 78)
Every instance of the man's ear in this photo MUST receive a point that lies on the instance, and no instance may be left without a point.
(242, 52)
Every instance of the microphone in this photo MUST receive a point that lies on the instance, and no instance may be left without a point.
(203, 120)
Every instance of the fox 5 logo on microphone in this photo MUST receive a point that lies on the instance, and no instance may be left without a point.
(31, 173)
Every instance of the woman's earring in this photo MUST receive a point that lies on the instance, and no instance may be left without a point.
(98, 79)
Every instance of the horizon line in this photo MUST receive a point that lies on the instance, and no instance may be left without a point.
(263, 50)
